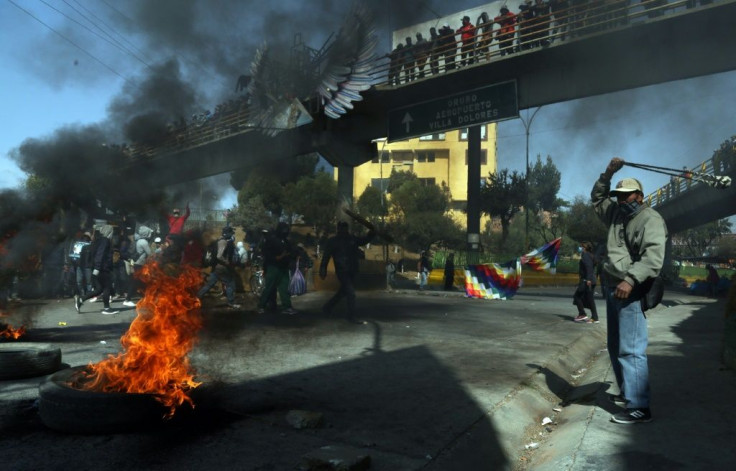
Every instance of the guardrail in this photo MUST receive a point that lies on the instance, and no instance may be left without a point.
(488, 44)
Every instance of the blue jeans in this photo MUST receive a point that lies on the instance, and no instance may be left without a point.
(220, 273)
(627, 348)
(423, 279)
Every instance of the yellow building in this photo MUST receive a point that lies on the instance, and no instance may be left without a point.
(435, 159)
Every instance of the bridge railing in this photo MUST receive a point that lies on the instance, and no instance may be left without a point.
(722, 163)
(440, 54)
(488, 44)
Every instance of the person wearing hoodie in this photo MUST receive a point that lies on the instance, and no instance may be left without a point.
(142, 253)
(101, 257)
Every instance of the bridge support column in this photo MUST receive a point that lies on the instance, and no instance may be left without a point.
(473, 209)
(345, 180)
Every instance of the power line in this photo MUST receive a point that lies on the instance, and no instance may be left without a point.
(99, 61)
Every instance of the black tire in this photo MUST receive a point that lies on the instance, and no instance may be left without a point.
(28, 360)
(71, 410)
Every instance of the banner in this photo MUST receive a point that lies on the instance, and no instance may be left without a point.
(493, 281)
(544, 258)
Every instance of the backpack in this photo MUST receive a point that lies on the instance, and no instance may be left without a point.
(653, 289)
(210, 255)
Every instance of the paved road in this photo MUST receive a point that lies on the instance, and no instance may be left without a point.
(430, 381)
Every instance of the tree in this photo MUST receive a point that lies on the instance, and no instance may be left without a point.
(503, 197)
(267, 187)
(583, 223)
(699, 241)
(284, 170)
(252, 216)
(372, 204)
(418, 213)
(544, 184)
(315, 198)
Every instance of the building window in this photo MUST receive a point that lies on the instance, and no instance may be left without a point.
(425, 156)
(483, 134)
(384, 156)
(402, 156)
(483, 157)
(433, 137)
(380, 183)
(427, 181)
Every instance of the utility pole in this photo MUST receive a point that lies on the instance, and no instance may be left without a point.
(527, 125)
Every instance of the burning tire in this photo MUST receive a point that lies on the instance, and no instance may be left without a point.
(27, 360)
(67, 409)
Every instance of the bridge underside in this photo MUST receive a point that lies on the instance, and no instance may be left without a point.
(673, 47)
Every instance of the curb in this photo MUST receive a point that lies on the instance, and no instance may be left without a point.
(520, 413)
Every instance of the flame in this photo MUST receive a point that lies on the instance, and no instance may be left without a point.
(10, 333)
(155, 347)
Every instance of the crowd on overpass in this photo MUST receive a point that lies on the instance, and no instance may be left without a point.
(537, 23)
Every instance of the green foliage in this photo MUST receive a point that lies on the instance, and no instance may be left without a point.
(315, 198)
(372, 204)
(583, 224)
(502, 197)
(265, 186)
(252, 215)
(398, 178)
(698, 241)
(544, 184)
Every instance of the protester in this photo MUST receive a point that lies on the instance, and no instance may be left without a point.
(176, 220)
(450, 272)
(636, 246)
(467, 39)
(277, 256)
(343, 249)
(506, 32)
(713, 279)
(583, 298)
(423, 269)
(101, 270)
(224, 267)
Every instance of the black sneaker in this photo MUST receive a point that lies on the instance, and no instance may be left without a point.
(78, 302)
(632, 416)
(618, 399)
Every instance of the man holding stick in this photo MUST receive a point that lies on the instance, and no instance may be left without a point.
(343, 249)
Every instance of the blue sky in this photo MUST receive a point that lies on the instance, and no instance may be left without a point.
(48, 83)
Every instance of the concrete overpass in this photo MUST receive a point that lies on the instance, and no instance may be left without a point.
(606, 57)
(688, 204)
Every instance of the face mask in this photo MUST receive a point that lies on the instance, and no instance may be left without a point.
(631, 208)
(580, 250)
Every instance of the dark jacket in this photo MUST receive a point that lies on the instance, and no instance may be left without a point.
(102, 250)
(273, 247)
(586, 268)
(343, 249)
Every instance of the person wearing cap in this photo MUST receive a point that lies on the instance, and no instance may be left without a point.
(176, 220)
(343, 250)
(467, 38)
(637, 235)
(446, 46)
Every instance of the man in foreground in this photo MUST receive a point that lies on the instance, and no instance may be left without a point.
(636, 247)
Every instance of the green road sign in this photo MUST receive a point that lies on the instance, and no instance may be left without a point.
(461, 110)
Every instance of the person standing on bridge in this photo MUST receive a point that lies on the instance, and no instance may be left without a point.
(506, 32)
(467, 38)
(636, 245)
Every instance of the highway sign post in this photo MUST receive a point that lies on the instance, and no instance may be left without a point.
(488, 104)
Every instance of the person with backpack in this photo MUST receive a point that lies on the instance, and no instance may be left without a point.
(277, 256)
(223, 263)
(139, 254)
(637, 235)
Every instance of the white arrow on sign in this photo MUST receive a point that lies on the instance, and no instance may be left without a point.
(407, 121)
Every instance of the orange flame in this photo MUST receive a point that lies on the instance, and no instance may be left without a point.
(155, 347)
(10, 333)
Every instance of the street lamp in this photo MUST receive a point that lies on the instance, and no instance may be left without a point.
(527, 126)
